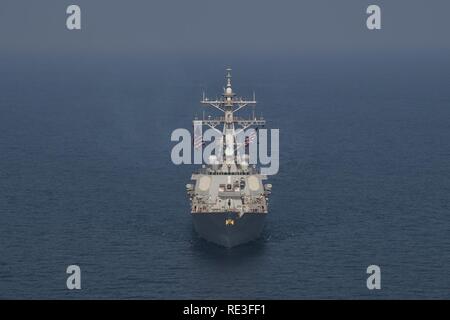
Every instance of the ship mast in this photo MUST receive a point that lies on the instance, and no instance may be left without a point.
(229, 104)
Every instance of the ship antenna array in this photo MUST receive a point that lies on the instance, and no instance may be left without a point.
(229, 104)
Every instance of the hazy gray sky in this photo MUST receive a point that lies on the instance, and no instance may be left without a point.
(215, 27)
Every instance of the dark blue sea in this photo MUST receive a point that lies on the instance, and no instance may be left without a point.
(86, 177)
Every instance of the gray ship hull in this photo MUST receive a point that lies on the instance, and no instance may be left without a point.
(213, 227)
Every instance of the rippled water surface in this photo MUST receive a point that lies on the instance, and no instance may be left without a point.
(86, 178)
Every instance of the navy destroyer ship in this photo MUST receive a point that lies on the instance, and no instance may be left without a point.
(229, 201)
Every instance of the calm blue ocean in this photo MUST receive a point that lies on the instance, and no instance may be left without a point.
(86, 178)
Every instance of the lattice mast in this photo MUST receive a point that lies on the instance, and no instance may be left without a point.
(229, 104)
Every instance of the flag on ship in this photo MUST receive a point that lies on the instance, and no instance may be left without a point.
(198, 134)
(251, 137)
